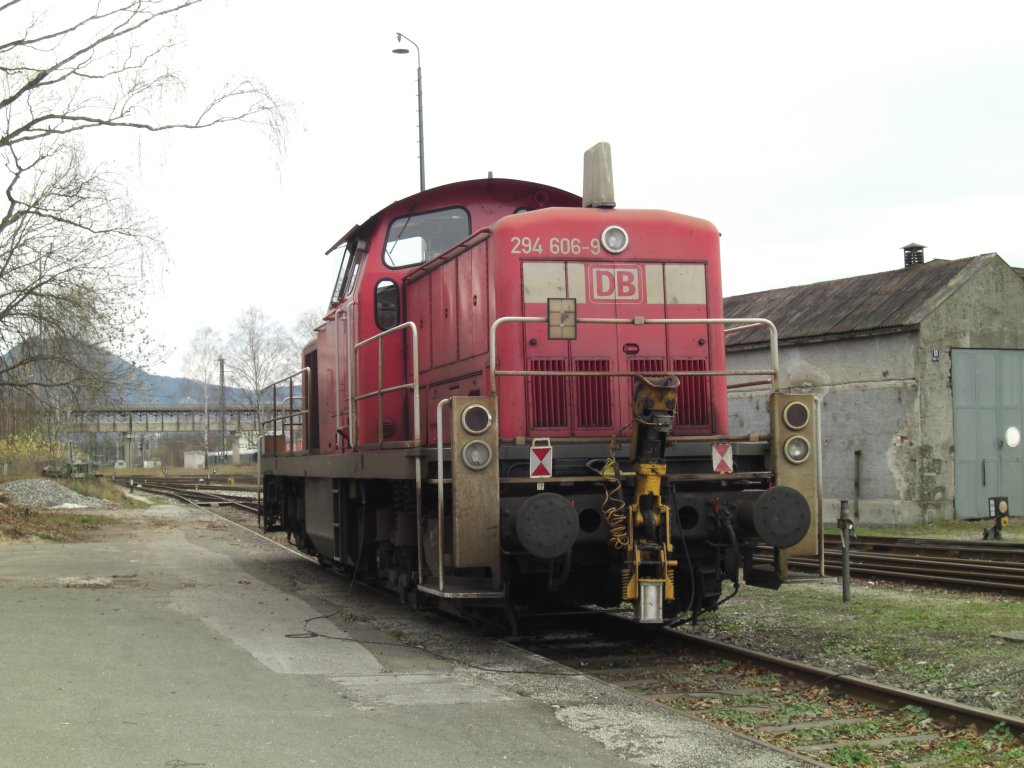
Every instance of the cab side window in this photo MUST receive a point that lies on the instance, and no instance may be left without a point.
(385, 304)
(341, 255)
(350, 257)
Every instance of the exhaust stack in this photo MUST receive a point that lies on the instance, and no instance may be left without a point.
(598, 187)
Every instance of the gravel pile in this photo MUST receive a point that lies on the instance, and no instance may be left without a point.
(49, 494)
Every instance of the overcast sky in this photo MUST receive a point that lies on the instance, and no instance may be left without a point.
(819, 137)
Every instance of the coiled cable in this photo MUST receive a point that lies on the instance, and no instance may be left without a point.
(614, 506)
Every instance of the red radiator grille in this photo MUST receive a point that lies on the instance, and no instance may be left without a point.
(593, 394)
(548, 398)
(591, 404)
(692, 410)
(646, 364)
(694, 394)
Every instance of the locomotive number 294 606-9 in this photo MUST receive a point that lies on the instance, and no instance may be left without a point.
(556, 246)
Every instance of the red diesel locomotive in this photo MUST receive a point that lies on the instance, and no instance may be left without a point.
(518, 401)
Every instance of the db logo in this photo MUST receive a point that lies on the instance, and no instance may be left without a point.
(615, 284)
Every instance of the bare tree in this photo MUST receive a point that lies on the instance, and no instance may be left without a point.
(307, 322)
(258, 354)
(74, 254)
(304, 329)
(202, 367)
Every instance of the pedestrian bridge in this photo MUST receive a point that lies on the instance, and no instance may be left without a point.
(134, 419)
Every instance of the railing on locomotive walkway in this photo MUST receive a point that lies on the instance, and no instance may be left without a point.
(745, 323)
(285, 429)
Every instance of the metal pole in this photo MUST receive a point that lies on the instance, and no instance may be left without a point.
(223, 448)
(419, 102)
(845, 526)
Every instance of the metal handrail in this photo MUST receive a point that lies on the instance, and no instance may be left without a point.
(748, 322)
(440, 492)
(381, 390)
(291, 414)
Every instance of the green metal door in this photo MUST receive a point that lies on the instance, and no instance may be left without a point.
(988, 399)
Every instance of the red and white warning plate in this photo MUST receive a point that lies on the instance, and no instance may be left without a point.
(721, 457)
(541, 455)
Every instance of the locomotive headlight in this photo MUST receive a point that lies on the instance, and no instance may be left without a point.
(476, 454)
(795, 415)
(476, 419)
(797, 449)
(614, 239)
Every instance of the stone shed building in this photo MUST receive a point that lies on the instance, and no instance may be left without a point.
(920, 373)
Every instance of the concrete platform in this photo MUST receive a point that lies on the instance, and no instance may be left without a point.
(176, 639)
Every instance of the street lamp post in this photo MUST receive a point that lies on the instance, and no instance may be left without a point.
(419, 100)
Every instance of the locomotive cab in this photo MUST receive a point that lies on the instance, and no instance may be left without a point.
(518, 401)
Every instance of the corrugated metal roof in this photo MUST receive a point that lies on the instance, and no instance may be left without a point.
(886, 301)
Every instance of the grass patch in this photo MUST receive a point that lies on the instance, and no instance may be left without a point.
(100, 488)
(19, 521)
(796, 711)
(919, 639)
(23, 523)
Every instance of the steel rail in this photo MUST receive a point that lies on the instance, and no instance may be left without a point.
(890, 697)
(1011, 550)
(194, 496)
(607, 646)
(946, 576)
(949, 711)
(973, 564)
(212, 484)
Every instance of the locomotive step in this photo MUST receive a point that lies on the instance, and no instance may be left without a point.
(461, 588)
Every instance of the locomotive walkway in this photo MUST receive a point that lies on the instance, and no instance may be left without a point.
(175, 638)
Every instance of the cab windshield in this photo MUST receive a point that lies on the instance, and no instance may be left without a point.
(422, 236)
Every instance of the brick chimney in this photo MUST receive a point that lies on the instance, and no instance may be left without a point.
(913, 254)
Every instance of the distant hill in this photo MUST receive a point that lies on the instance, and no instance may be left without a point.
(144, 388)
(134, 385)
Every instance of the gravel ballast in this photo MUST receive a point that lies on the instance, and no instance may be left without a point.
(49, 494)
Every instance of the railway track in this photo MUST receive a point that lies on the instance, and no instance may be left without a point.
(937, 562)
(953, 563)
(916, 546)
(213, 482)
(985, 565)
(823, 717)
(201, 491)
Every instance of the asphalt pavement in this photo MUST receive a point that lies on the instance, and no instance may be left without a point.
(174, 638)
